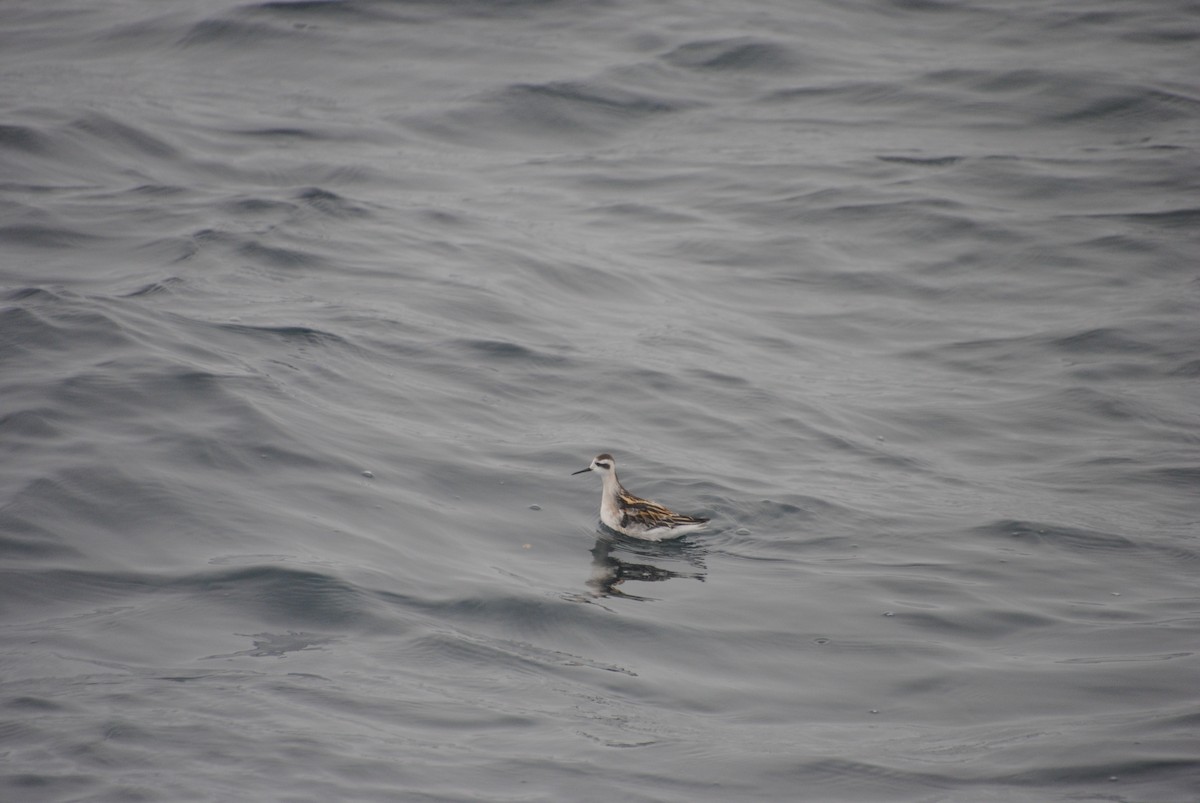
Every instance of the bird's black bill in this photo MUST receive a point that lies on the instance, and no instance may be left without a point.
(580, 471)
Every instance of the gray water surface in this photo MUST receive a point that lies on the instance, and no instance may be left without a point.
(309, 309)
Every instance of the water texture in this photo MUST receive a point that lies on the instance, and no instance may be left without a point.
(309, 309)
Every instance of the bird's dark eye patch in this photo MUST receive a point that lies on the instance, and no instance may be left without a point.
(603, 465)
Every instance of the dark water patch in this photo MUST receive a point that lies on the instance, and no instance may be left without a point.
(24, 540)
(272, 453)
(1020, 80)
(507, 351)
(31, 425)
(1105, 340)
(575, 111)
(1052, 535)
(308, 7)
(283, 133)
(1188, 370)
(838, 779)
(875, 102)
(467, 650)
(1052, 410)
(280, 257)
(241, 35)
(330, 203)
(1179, 32)
(1109, 371)
(885, 283)
(1161, 772)
(919, 161)
(25, 139)
(287, 595)
(571, 100)
(924, 6)
(162, 287)
(125, 138)
(35, 704)
(1054, 98)
(722, 379)
(305, 335)
(448, 218)
(33, 294)
(317, 11)
(276, 645)
(779, 516)
(740, 54)
(622, 213)
(462, 623)
(1100, 353)
(149, 33)
(1126, 659)
(1110, 244)
(32, 785)
(61, 499)
(51, 588)
(975, 623)
(316, 137)
(488, 9)
(1189, 720)
(1182, 477)
(934, 220)
(58, 327)
(250, 207)
(132, 394)
(45, 236)
(1135, 106)
(159, 191)
(1187, 218)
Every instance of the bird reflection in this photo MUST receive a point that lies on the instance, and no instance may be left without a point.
(609, 570)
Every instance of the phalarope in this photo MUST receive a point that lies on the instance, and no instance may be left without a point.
(633, 516)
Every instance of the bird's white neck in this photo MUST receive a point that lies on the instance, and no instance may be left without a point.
(611, 483)
(610, 507)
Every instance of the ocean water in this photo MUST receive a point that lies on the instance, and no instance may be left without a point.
(309, 309)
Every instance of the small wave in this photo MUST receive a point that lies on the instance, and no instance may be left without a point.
(1072, 538)
(557, 99)
(478, 650)
(59, 326)
(291, 334)
(124, 137)
(256, 206)
(240, 34)
(330, 203)
(919, 161)
(35, 294)
(161, 287)
(1189, 369)
(276, 593)
(573, 110)
(1104, 340)
(740, 54)
(1047, 97)
(1184, 477)
(45, 236)
(23, 539)
(25, 139)
(1186, 218)
(507, 350)
(280, 257)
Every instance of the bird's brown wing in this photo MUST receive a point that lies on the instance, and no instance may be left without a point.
(654, 514)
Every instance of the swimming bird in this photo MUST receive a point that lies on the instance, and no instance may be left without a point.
(632, 515)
